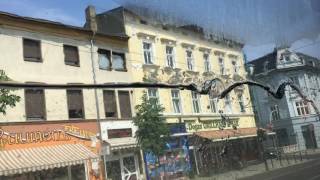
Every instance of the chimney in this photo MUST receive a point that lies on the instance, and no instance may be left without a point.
(91, 22)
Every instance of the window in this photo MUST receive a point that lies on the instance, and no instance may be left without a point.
(275, 113)
(241, 103)
(110, 104)
(213, 103)
(283, 137)
(170, 56)
(147, 52)
(302, 108)
(119, 133)
(195, 102)
(71, 55)
(227, 102)
(31, 50)
(125, 105)
(35, 104)
(75, 104)
(104, 59)
(175, 95)
(118, 61)
(234, 67)
(190, 60)
(221, 66)
(153, 95)
(206, 62)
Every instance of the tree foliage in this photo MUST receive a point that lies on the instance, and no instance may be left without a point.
(6, 96)
(153, 131)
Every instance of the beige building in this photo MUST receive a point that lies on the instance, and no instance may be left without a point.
(167, 54)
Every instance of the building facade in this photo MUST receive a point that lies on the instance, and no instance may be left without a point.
(294, 121)
(168, 54)
(60, 120)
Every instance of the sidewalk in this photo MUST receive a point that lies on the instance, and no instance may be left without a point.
(287, 160)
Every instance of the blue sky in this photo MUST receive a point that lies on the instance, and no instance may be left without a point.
(72, 12)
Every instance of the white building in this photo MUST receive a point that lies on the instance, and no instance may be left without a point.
(294, 121)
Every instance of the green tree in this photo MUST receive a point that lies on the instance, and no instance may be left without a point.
(153, 131)
(6, 96)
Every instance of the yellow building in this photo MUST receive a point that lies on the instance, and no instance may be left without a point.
(168, 54)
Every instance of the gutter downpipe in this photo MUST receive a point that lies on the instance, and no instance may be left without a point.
(96, 97)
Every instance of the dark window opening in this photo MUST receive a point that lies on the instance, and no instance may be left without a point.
(110, 105)
(71, 55)
(35, 104)
(75, 104)
(32, 50)
(125, 105)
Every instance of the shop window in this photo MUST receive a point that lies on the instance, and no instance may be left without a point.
(35, 104)
(32, 50)
(190, 60)
(104, 59)
(118, 61)
(275, 113)
(302, 108)
(75, 104)
(125, 105)
(119, 133)
(170, 56)
(78, 172)
(221, 66)
(206, 62)
(153, 95)
(175, 95)
(71, 55)
(110, 105)
(195, 102)
(147, 52)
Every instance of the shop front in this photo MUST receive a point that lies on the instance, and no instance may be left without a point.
(123, 160)
(175, 163)
(216, 147)
(49, 150)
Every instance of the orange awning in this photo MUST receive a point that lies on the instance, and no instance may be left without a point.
(219, 135)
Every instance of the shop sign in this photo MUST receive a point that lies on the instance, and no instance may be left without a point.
(30, 133)
(210, 125)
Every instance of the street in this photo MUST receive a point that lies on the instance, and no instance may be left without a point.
(305, 171)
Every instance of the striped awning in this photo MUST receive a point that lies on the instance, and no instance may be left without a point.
(41, 158)
(122, 143)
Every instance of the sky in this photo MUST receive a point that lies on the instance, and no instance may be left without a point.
(297, 23)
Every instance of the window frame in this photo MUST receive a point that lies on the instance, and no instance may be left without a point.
(83, 109)
(207, 64)
(44, 106)
(32, 59)
(176, 98)
(120, 108)
(110, 60)
(70, 62)
(172, 55)
(213, 104)
(116, 116)
(222, 69)
(150, 51)
(235, 66)
(154, 97)
(241, 103)
(302, 107)
(197, 101)
(121, 54)
(190, 60)
(275, 113)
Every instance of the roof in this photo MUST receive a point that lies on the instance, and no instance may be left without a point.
(39, 158)
(56, 24)
(268, 61)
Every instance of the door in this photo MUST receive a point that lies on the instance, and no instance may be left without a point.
(113, 169)
(129, 168)
(309, 137)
